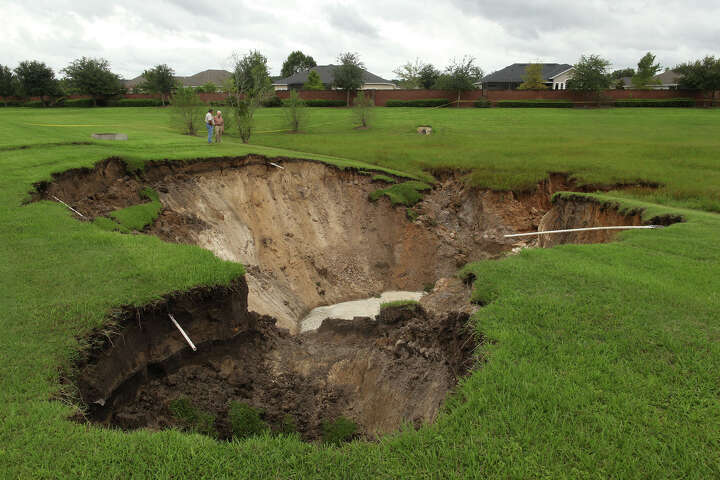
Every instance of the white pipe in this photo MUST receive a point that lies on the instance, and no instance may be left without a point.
(276, 165)
(627, 227)
(68, 206)
(183, 332)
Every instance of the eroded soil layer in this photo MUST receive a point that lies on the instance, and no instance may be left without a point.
(378, 373)
(307, 233)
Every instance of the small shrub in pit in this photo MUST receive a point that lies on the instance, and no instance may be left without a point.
(245, 420)
(288, 425)
(192, 417)
(338, 431)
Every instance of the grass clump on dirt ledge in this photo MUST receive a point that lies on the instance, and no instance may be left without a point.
(338, 431)
(245, 420)
(193, 418)
(406, 193)
(137, 217)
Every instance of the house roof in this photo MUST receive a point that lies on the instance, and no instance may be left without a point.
(514, 73)
(217, 77)
(669, 77)
(326, 73)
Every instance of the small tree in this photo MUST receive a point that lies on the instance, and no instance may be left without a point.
(295, 111)
(36, 79)
(363, 106)
(624, 72)
(460, 76)
(92, 76)
(590, 75)
(409, 74)
(700, 75)
(348, 76)
(159, 79)
(428, 76)
(296, 62)
(313, 82)
(187, 110)
(8, 86)
(251, 85)
(533, 79)
(647, 69)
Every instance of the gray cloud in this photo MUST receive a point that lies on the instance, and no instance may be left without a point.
(192, 36)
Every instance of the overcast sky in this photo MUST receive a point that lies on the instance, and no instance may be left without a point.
(194, 35)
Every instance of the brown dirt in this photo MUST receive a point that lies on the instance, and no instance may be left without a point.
(379, 374)
(307, 234)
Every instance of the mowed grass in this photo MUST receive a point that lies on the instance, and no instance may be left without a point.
(602, 360)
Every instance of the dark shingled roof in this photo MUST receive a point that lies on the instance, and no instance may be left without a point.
(217, 77)
(516, 72)
(326, 76)
(670, 77)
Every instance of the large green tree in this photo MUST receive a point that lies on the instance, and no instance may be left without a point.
(8, 86)
(35, 79)
(460, 76)
(590, 75)
(646, 71)
(92, 76)
(409, 74)
(700, 75)
(428, 76)
(159, 79)
(533, 78)
(623, 72)
(296, 62)
(348, 76)
(251, 85)
(313, 82)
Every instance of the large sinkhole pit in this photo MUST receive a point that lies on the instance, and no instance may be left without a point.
(376, 373)
(309, 237)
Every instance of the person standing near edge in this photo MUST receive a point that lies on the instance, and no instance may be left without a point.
(209, 123)
(219, 126)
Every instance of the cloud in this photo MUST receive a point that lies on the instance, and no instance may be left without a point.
(192, 36)
(347, 20)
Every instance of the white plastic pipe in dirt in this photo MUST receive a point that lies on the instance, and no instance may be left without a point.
(192, 345)
(276, 165)
(627, 227)
(68, 206)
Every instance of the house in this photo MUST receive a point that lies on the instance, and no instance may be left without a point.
(668, 80)
(555, 76)
(218, 77)
(326, 74)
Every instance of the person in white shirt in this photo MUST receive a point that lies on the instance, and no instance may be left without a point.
(209, 123)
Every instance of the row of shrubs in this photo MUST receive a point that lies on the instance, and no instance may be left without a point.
(429, 102)
(87, 103)
(666, 102)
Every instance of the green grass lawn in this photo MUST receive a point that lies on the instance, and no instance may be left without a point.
(603, 360)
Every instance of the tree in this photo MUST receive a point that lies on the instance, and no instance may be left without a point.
(35, 79)
(295, 111)
(461, 76)
(313, 82)
(159, 79)
(428, 76)
(362, 106)
(533, 79)
(297, 62)
(590, 75)
(251, 85)
(624, 72)
(348, 75)
(8, 85)
(92, 76)
(187, 110)
(647, 69)
(209, 87)
(700, 75)
(409, 74)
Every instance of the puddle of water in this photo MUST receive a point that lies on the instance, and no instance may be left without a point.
(368, 307)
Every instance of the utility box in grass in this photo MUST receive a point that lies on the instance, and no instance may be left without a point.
(109, 136)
